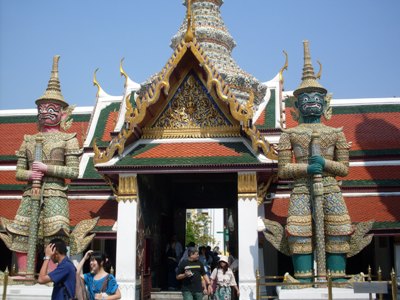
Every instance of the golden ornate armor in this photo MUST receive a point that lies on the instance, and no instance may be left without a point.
(61, 154)
(335, 150)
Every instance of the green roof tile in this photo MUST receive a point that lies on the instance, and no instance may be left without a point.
(101, 123)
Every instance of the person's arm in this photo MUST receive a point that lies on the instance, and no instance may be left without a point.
(104, 296)
(112, 291)
(204, 286)
(208, 283)
(43, 277)
(182, 273)
(233, 282)
(82, 262)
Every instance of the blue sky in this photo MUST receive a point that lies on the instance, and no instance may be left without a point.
(357, 41)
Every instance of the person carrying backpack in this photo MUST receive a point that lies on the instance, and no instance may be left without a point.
(63, 276)
(99, 282)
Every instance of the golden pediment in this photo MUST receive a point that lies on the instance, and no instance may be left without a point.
(191, 107)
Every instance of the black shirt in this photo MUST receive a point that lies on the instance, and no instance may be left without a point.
(192, 283)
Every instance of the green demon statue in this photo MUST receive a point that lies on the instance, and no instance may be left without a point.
(45, 160)
(312, 155)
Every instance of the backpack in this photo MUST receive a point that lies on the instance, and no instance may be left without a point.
(81, 292)
(80, 289)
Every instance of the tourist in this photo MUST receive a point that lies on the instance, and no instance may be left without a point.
(205, 259)
(192, 274)
(223, 279)
(100, 283)
(174, 251)
(185, 254)
(63, 276)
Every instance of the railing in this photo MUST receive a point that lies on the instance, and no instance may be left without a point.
(5, 283)
(267, 281)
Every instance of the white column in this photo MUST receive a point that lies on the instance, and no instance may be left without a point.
(126, 248)
(126, 239)
(248, 235)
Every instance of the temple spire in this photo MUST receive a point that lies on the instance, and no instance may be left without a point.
(53, 91)
(203, 20)
(309, 81)
(189, 35)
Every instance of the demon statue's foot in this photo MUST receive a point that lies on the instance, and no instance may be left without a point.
(290, 279)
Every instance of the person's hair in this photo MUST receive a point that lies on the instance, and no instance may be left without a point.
(191, 251)
(60, 245)
(201, 248)
(208, 248)
(223, 268)
(191, 244)
(102, 260)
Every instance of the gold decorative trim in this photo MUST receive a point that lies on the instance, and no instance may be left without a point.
(262, 188)
(285, 67)
(189, 36)
(135, 115)
(247, 185)
(122, 72)
(96, 83)
(191, 132)
(127, 198)
(318, 76)
(127, 186)
(258, 141)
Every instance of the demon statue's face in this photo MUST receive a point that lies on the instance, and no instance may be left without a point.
(311, 104)
(49, 114)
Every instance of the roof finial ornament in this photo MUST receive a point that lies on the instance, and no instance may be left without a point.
(318, 76)
(189, 35)
(309, 81)
(96, 83)
(122, 72)
(53, 91)
(285, 67)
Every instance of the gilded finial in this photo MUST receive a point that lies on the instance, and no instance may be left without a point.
(285, 67)
(53, 91)
(318, 76)
(189, 35)
(309, 81)
(96, 83)
(122, 72)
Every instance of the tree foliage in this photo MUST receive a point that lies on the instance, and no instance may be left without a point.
(197, 230)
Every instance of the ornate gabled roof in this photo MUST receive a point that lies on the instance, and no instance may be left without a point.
(188, 56)
(213, 36)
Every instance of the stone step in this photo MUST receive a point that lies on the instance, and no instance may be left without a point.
(169, 295)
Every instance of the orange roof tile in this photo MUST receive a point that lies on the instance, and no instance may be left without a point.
(13, 134)
(8, 177)
(178, 150)
(380, 209)
(373, 173)
(366, 131)
(261, 119)
(79, 210)
(110, 125)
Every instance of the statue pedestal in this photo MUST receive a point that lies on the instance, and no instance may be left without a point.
(25, 292)
(320, 293)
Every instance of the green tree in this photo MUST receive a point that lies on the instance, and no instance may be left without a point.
(197, 230)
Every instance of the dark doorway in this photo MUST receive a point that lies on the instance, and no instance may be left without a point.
(163, 201)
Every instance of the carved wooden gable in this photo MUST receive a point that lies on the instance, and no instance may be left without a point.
(192, 111)
(191, 106)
